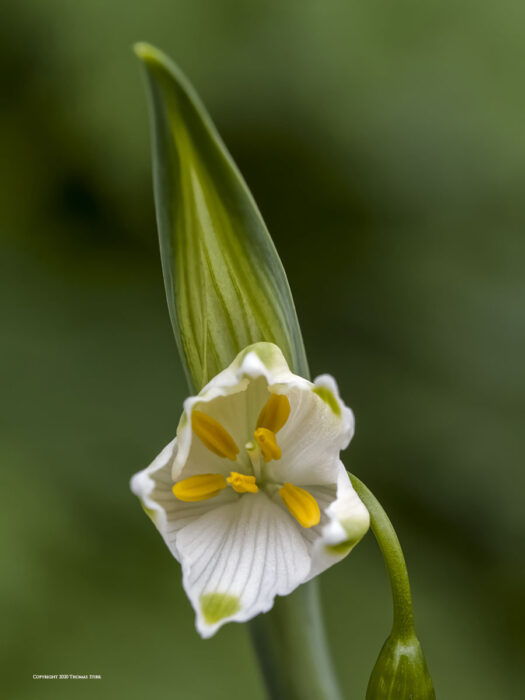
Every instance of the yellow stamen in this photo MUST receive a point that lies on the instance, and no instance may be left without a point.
(301, 504)
(242, 483)
(268, 444)
(274, 413)
(211, 433)
(200, 487)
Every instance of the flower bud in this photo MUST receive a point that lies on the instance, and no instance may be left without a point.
(400, 672)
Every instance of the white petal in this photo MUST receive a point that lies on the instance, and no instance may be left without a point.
(237, 558)
(154, 488)
(153, 485)
(344, 523)
(326, 388)
(319, 427)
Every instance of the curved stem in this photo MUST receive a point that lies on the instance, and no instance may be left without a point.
(291, 646)
(403, 623)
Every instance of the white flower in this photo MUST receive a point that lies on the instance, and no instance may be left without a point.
(251, 496)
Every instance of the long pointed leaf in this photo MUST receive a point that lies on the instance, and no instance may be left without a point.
(225, 284)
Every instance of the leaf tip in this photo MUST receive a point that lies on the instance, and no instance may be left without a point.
(147, 52)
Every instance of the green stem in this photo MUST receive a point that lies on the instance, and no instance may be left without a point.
(403, 623)
(291, 646)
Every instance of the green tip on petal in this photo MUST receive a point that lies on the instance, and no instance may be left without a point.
(152, 514)
(324, 393)
(400, 672)
(216, 606)
(341, 549)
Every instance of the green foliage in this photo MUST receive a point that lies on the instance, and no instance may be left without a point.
(225, 284)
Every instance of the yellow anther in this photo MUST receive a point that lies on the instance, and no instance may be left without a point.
(274, 413)
(301, 504)
(211, 433)
(200, 487)
(242, 483)
(267, 444)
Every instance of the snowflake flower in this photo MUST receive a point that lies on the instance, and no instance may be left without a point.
(251, 496)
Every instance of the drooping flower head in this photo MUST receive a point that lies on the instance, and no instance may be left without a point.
(251, 496)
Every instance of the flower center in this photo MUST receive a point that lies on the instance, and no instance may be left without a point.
(299, 502)
(242, 483)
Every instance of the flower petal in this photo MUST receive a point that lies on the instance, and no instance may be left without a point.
(237, 558)
(154, 488)
(344, 523)
(319, 427)
(327, 390)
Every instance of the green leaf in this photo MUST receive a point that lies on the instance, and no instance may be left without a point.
(225, 284)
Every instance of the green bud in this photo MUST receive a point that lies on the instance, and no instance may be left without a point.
(400, 672)
(225, 284)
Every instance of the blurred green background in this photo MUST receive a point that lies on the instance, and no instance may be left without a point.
(385, 145)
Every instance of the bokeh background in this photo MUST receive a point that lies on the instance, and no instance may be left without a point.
(385, 145)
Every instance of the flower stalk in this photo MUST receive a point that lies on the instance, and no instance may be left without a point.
(292, 648)
(403, 615)
(401, 671)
